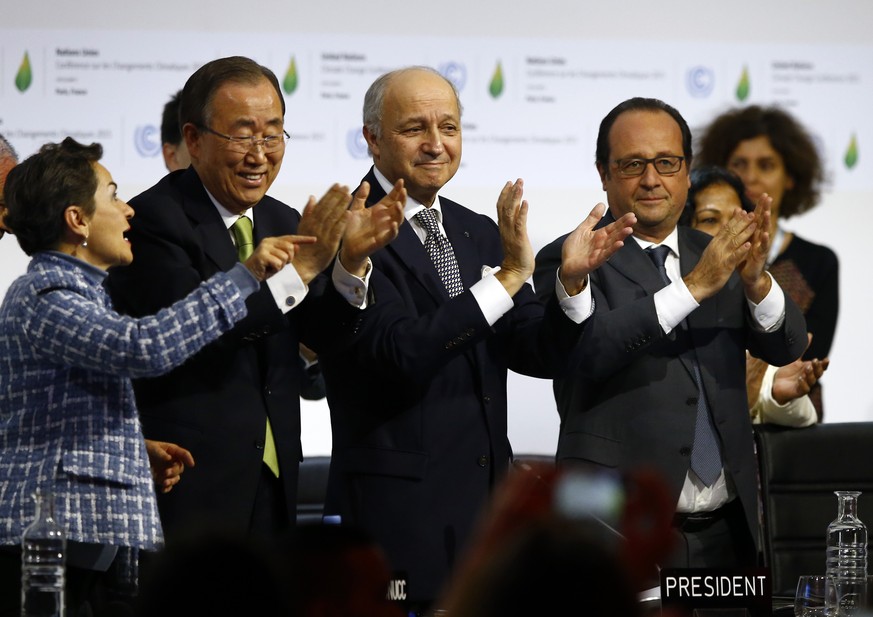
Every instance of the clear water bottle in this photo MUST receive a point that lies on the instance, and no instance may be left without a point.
(847, 555)
(43, 548)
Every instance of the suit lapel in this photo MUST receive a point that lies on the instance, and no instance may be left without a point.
(409, 251)
(691, 252)
(633, 263)
(207, 223)
(689, 255)
(268, 222)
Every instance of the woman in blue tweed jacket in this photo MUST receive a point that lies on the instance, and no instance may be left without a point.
(68, 421)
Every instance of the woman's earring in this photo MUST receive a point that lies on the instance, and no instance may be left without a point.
(85, 242)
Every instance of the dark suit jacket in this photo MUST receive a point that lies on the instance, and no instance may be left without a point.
(631, 399)
(418, 404)
(217, 404)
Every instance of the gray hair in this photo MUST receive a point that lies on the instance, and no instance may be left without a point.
(375, 96)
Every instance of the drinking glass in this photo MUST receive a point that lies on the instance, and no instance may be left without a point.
(811, 598)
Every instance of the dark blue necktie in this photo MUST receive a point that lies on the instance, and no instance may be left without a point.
(705, 451)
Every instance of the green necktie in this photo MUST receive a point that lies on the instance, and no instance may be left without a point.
(242, 232)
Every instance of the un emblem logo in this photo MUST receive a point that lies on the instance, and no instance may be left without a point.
(356, 144)
(456, 73)
(700, 81)
(147, 140)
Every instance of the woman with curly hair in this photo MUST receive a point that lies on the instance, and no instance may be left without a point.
(772, 153)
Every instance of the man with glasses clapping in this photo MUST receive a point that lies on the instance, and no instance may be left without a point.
(235, 405)
(659, 380)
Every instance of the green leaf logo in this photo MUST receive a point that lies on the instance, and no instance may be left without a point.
(24, 77)
(496, 85)
(851, 158)
(289, 84)
(743, 87)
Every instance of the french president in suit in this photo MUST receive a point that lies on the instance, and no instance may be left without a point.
(236, 405)
(659, 379)
(418, 402)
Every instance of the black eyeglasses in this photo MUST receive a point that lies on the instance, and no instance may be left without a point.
(664, 165)
(242, 145)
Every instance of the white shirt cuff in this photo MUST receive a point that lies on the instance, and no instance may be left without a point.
(771, 311)
(577, 308)
(674, 303)
(352, 288)
(491, 296)
(799, 412)
(288, 288)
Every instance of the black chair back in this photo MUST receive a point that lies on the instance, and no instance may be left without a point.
(799, 471)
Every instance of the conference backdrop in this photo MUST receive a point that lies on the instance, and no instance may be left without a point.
(531, 108)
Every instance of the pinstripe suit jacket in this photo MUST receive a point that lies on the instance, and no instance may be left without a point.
(67, 415)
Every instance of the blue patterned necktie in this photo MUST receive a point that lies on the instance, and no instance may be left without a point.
(705, 451)
(441, 252)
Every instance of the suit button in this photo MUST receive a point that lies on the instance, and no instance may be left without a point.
(685, 451)
(483, 461)
(487, 399)
(267, 391)
(691, 400)
(259, 444)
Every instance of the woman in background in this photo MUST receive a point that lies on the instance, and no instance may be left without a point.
(779, 395)
(772, 153)
(68, 420)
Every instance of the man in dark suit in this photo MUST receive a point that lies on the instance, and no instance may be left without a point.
(659, 380)
(418, 403)
(235, 405)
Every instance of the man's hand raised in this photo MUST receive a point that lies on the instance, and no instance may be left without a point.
(326, 219)
(587, 248)
(370, 229)
(727, 250)
(751, 269)
(518, 255)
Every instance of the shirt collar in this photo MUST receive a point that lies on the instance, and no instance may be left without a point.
(227, 216)
(672, 241)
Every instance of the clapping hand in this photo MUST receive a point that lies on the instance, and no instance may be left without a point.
(587, 248)
(370, 229)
